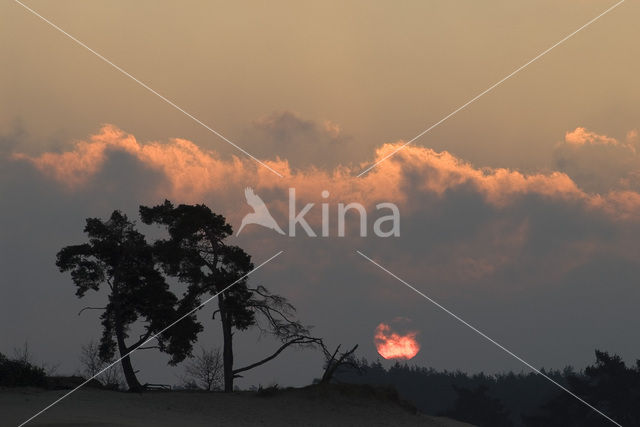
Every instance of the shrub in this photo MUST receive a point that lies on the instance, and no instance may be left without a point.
(16, 373)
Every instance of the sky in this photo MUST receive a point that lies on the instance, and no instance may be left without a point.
(519, 213)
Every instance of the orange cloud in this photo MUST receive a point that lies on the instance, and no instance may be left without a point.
(190, 171)
(193, 173)
(443, 171)
(392, 345)
(600, 163)
(581, 136)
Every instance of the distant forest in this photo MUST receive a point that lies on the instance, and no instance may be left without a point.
(514, 399)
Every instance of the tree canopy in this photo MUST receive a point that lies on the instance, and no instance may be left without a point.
(196, 253)
(119, 258)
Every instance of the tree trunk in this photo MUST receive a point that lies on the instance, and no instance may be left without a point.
(227, 349)
(127, 368)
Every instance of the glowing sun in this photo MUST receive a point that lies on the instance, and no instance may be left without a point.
(392, 343)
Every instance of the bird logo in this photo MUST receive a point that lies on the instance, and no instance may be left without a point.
(260, 214)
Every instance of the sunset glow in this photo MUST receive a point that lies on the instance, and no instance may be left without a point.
(394, 345)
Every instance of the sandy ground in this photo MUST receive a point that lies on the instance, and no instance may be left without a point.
(296, 407)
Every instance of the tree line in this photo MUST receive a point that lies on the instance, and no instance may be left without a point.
(515, 399)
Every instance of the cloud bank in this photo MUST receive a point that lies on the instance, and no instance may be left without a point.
(459, 223)
(192, 174)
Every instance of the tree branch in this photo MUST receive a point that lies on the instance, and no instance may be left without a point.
(91, 308)
(333, 364)
(301, 340)
(142, 340)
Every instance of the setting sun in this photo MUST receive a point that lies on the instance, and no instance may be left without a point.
(395, 345)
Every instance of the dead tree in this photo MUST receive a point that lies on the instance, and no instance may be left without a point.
(336, 360)
(206, 369)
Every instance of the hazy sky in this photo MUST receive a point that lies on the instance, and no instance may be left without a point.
(520, 213)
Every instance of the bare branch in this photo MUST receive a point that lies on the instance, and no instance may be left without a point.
(333, 364)
(206, 369)
(91, 308)
(300, 340)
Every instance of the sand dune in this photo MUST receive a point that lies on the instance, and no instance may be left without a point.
(311, 406)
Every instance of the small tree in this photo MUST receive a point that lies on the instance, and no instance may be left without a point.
(118, 257)
(24, 356)
(205, 369)
(93, 364)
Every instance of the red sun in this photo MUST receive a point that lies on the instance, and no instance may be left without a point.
(396, 345)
